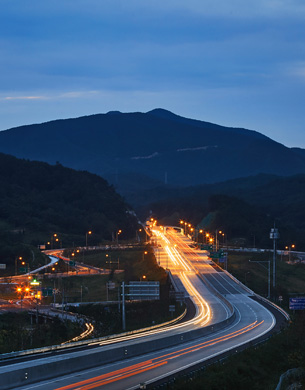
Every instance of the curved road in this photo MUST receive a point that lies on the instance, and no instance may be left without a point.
(209, 288)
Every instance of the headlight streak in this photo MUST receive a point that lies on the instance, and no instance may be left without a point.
(87, 332)
(203, 311)
(135, 369)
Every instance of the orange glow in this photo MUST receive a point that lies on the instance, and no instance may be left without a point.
(136, 369)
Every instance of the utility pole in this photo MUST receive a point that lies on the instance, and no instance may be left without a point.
(123, 307)
(269, 278)
(274, 235)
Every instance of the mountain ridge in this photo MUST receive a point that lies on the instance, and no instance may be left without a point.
(158, 144)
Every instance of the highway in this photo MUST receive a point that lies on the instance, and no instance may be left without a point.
(154, 355)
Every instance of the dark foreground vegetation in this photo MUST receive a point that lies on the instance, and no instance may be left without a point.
(19, 331)
(257, 368)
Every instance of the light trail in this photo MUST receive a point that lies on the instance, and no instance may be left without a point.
(136, 369)
(203, 312)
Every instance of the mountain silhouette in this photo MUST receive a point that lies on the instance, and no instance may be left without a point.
(153, 148)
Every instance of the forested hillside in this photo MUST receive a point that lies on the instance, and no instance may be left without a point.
(38, 200)
(245, 208)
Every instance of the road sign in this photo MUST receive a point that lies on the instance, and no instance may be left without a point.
(47, 291)
(206, 247)
(110, 285)
(34, 283)
(296, 303)
(72, 263)
(144, 290)
(23, 270)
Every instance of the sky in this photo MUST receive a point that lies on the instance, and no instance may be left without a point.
(236, 63)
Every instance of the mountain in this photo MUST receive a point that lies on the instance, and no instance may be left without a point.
(151, 149)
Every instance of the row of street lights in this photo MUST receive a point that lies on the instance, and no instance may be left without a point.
(207, 238)
(55, 241)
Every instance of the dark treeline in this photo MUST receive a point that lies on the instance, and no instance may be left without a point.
(38, 200)
(246, 209)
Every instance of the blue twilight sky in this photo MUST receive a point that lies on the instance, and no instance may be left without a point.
(232, 62)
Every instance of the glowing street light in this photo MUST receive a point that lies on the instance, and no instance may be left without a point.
(88, 233)
(117, 236)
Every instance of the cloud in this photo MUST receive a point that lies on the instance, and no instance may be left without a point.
(297, 70)
(24, 98)
(59, 96)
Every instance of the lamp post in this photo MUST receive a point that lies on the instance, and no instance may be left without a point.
(16, 260)
(87, 233)
(246, 273)
(117, 236)
(216, 238)
(52, 240)
(289, 248)
(200, 232)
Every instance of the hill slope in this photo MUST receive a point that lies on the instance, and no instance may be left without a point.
(157, 144)
(41, 199)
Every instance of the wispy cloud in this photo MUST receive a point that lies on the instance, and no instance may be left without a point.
(145, 157)
(64, 95)
(24, 98)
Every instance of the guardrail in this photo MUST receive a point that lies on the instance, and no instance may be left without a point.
(51, 348)
(43, 369)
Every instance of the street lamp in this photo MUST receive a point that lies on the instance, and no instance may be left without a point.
(87, 233)
(289, 248)
(216, 238)
(246, 273)
(16, 259)
(117, 236)
(201, 232)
